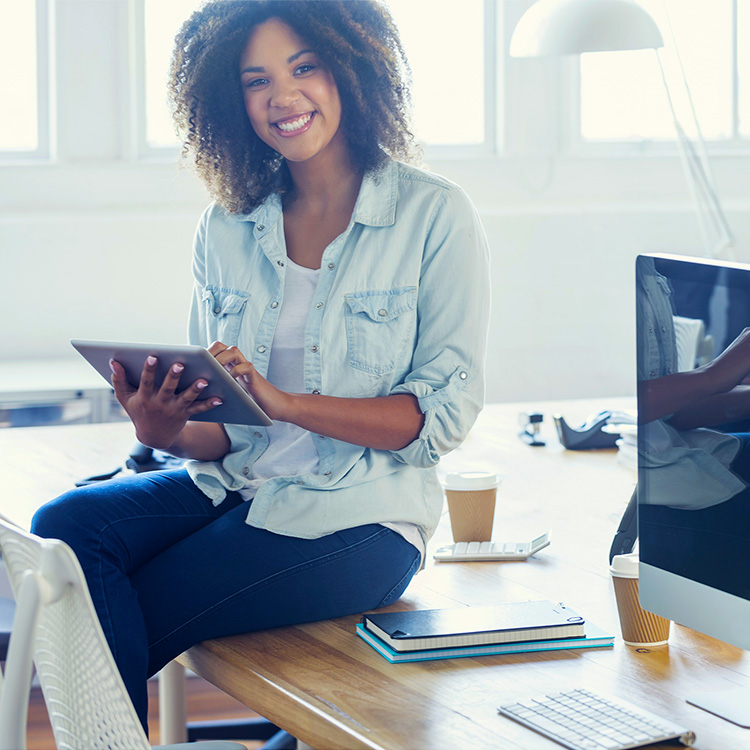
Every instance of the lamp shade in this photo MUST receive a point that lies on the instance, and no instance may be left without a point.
(571, 27)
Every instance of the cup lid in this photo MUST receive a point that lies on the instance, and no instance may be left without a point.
(625, 566)
(471, 480)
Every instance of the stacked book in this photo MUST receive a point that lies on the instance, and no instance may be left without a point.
(423, 635)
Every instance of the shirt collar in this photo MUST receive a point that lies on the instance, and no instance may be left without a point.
(375, 206)
(376, 203)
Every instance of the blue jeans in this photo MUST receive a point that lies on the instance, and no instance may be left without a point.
(166, 569)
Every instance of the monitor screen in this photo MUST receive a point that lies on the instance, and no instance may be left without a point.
(693, 364)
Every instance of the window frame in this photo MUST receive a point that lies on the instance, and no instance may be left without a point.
(44, 57)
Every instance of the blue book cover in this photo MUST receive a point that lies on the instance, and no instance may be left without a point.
(594, 638)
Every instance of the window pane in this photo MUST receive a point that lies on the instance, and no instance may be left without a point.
(446, 55)
(623, 96)
(162, 20)
(18, 82)
(743, 65)
(448, 78)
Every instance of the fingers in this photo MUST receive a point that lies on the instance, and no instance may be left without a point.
(122, 388)
(217, 348)
(198, 407)
(230, 357)
(171, 381)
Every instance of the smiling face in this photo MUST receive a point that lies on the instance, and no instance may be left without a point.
(290, 97)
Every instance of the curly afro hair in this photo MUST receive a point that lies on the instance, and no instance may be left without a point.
(356, 40)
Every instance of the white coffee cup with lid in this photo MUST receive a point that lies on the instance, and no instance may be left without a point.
(471, 497)
(640, 628)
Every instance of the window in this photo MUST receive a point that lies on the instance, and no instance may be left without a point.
(622, 94)
(448, 67)
(23, 85)
(451, 66)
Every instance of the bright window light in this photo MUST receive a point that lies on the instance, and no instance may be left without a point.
(447, 65)
(162, 20)
(743, 67)
(18, 83)
(623, 96)
(446, 55)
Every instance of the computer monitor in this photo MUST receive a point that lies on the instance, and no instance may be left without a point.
(693, 361)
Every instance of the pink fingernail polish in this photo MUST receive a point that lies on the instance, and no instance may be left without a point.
(201, 385)
(177, 368)
(150, 360)
(112, 366)
(217, 402)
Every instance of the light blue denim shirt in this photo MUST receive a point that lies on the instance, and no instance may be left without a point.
(401, 306)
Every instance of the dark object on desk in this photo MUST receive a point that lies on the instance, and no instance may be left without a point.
(530, 425)
(588, 435)
(141, 458)
(465, 626)
(627, 531)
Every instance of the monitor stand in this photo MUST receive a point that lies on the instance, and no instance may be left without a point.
(732, 705)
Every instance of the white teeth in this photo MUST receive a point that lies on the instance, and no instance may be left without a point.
(300, 122)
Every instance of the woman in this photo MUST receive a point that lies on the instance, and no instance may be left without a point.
(347, 293)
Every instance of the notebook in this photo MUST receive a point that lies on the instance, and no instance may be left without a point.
(593, 637)
(471, 626)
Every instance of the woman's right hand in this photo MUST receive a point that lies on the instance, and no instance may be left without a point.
(158, 413)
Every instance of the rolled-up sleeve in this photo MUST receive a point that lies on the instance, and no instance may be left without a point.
(447, 376)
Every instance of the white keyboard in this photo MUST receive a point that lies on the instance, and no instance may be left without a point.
(478, 551)
(581, 720)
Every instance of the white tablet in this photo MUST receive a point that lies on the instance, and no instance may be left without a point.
(238, 407)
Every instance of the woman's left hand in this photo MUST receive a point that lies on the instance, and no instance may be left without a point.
(273, 401)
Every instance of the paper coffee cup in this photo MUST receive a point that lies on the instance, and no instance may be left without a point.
(639, 627)
(471, 504)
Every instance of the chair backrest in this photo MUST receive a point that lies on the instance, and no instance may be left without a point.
(57, 626)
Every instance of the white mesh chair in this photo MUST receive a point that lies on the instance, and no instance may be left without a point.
(56, 626)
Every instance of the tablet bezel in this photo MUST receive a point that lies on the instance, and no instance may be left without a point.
(238, 406)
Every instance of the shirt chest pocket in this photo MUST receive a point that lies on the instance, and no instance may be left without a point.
(223, 310)
(379, 324)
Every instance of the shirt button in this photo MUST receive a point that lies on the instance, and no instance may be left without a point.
(326, 473)
(331, 266)
(382, 313)
(316, 392)
(463, 375)
(217, 309)
(274, 305)
(261, 227)
(261, 348)
(258, 434)
(319, 305)
(299, 481)
(280, 263)
(246, 470)
(314, 348)
(321, 437)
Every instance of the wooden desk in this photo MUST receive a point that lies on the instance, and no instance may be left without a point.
(328, 688)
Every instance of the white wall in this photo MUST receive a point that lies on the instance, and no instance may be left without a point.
(98, 244)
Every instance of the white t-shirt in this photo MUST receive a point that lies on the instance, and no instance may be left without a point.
(291, 449)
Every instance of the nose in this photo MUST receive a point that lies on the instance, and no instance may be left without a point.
(285, 93)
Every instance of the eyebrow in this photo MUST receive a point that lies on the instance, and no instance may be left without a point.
(290, 60)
